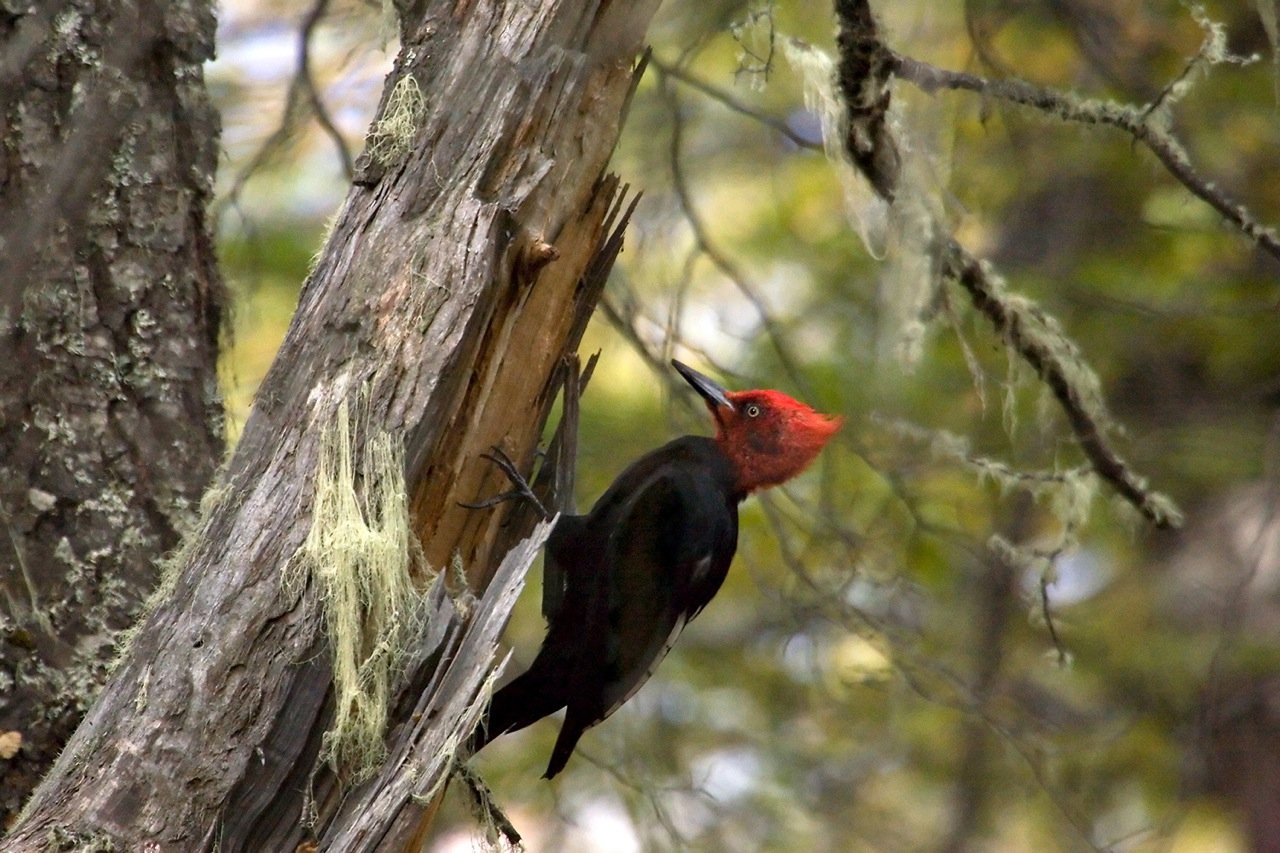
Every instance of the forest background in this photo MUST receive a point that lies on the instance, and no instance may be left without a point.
(952, 631)
(868, 676)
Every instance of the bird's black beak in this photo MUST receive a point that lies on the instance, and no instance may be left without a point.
(710, 390)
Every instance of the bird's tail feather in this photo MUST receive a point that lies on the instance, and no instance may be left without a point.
(525, 700)
(570, 732)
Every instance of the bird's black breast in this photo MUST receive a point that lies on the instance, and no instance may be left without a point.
(646, 559)
(692, 516)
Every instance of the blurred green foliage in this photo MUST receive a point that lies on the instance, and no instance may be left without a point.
(857, 682)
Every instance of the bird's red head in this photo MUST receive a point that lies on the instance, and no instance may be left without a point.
(768, 436)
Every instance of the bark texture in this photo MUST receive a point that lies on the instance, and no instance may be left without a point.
(110, 308)
(464, 263)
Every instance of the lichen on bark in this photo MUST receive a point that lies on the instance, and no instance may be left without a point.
(110, 417)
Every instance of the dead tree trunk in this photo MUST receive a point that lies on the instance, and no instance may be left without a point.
(110, 307)
(446, 295)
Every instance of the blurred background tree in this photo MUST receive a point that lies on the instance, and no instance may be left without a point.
(951, 634)
(111, 309)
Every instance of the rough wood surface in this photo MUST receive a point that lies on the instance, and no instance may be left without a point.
(110, 307)
(438, 299)
(382, 814)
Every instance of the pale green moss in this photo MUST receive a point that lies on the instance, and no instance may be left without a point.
(391, 136)
(323, 244)
(360, 554)
(61, 839)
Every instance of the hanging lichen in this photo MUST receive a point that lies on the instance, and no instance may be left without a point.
(360, 555)
(867, 211)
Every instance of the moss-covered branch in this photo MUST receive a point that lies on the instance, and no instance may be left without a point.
(862, 83)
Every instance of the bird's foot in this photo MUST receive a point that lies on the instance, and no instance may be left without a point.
(521, 489)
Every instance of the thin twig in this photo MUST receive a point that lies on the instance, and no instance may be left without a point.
(625, 317)
(651, 794)
(308, 84)
(1135, 121)
(973, 777)
(725, 99)
(741, 34)
(919, 670)
(720, 259)
(1046, 613)
(300, 86)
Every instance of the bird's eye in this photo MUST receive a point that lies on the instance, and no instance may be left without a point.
(753, 411)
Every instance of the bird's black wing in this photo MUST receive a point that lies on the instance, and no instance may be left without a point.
(666, 556)
(669, 555)
(561, 555)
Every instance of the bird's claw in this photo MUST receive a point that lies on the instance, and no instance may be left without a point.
(522, 489)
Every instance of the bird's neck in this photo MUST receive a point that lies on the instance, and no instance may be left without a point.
(758, 464)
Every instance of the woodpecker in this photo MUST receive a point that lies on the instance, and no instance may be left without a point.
(622, 581)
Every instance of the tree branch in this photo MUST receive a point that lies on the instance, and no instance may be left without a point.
(1139, 122)
(1059, 368)
(301, 86)
(865, 65)
(308, 84)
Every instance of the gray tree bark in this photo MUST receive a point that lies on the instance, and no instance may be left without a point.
(110, 309)
(462, 267)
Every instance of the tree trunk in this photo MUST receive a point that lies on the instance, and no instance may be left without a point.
(1223, 581)
(110, 420)
(464, 263)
